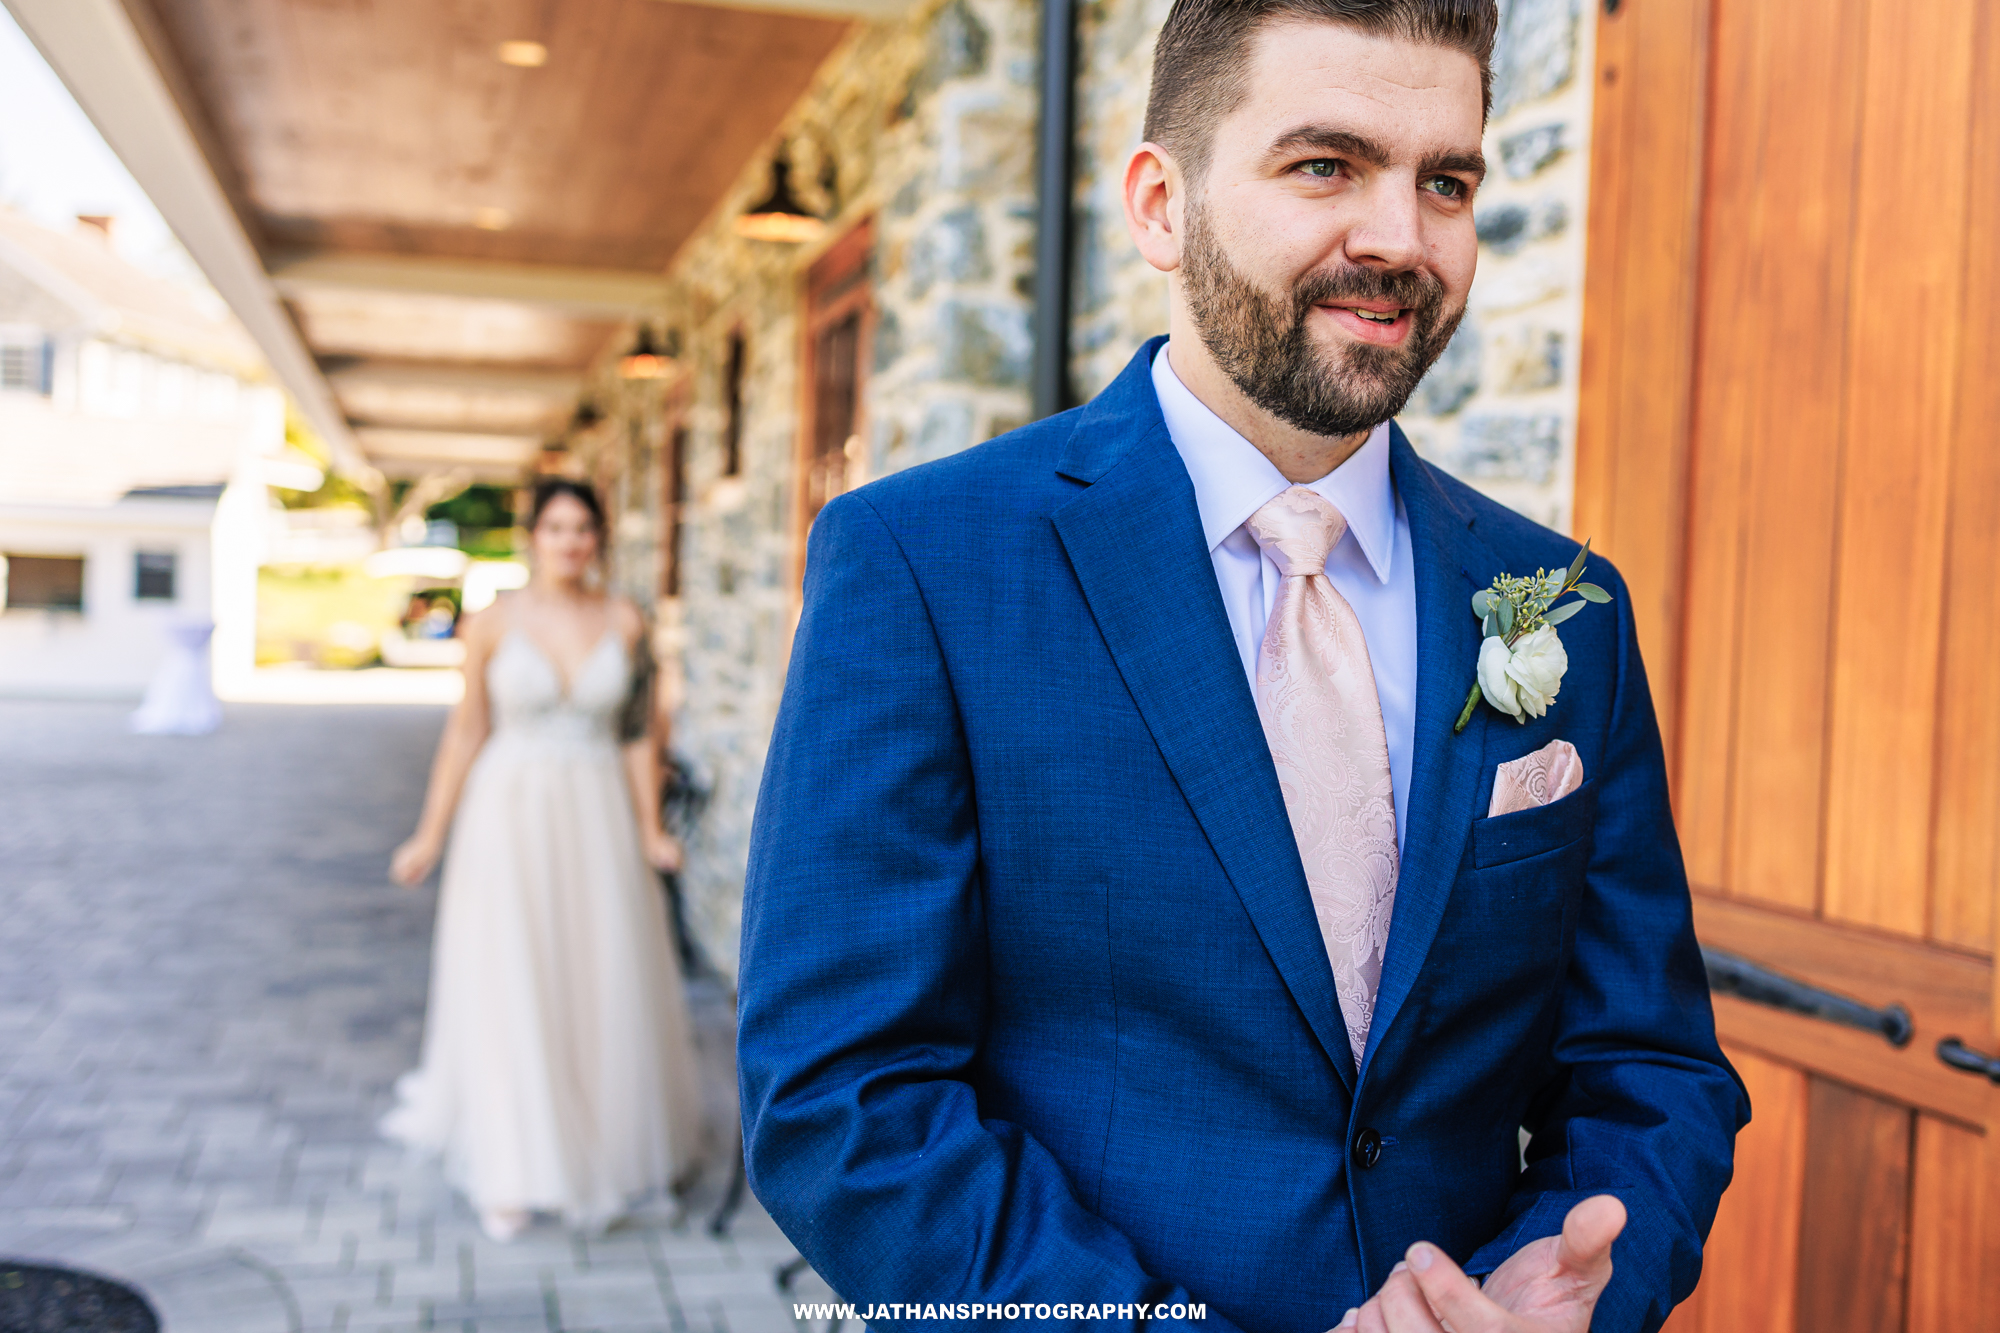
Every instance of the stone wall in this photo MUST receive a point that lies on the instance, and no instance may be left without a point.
(930, 126)
(1117, 300)
(930, 123)
(1499, 409)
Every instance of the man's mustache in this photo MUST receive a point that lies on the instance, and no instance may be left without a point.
(1356, 282)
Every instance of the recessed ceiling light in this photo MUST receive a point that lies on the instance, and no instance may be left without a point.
(524, 55)
(491, 219)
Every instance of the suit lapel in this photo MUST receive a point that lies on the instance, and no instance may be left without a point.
(1451, 564)
(1134, 539)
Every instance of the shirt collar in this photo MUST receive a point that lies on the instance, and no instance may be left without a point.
(1233, 479)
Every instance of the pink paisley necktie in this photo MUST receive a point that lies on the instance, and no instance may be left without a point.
(1316, 697)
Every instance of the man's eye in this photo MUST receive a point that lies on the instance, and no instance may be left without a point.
(1451, 187)
(1322, 167)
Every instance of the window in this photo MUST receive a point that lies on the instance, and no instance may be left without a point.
(24, 364)
(732, 403)
(44, 582)
(153, 576)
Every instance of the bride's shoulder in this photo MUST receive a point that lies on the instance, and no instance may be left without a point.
(485, 627)
(626, 618)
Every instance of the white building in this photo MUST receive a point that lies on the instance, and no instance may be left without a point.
(136, 431)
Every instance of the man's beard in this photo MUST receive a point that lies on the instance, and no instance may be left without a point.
(1263, 343)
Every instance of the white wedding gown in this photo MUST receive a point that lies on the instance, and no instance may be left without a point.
(558, 1070)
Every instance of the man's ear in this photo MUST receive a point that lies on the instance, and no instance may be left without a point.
(1155, 198)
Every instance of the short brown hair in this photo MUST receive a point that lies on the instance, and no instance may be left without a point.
(1199, 61)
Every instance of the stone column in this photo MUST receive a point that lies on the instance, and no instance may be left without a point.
(929, 125)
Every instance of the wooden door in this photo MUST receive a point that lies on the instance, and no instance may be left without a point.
(839, 313)
(1790, 442)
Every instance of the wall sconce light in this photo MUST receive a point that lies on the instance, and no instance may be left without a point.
(647, 360)
(780, 217)
(523, 54)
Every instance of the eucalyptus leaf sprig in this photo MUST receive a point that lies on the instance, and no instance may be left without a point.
(1520, 667)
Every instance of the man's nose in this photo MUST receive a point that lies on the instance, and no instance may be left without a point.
(1390, 230)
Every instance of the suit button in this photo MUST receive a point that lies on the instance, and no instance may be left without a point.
(1367, 1149)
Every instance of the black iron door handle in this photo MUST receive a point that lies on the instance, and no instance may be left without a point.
(1731, 975)
(1960, 1056)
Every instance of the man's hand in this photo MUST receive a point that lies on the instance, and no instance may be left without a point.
(1547, 1286)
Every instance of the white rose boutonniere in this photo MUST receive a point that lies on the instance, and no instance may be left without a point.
(1522, 660)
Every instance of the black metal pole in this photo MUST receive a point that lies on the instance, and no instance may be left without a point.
(1053, 223)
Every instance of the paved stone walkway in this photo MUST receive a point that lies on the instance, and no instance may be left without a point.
(208, 989)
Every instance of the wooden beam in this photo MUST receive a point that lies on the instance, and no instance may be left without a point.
(458, 378)
(443, 446)
(172, 64)
(100, 56)
(878, 10)
(584, 292)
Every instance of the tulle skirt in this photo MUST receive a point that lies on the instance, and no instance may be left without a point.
(558, 1068)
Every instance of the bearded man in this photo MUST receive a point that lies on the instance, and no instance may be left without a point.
(1129, 936)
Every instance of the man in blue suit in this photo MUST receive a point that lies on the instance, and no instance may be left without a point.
(1049, 1011)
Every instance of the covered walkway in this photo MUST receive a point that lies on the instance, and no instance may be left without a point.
(210, 987)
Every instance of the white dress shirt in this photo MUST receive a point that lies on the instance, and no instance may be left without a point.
(1371, 565)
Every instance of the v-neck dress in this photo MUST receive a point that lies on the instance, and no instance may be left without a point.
(558, 1069)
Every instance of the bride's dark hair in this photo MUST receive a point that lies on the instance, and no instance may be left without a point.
(548, 488)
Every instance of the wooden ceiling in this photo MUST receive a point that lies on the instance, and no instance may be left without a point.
(357, 136)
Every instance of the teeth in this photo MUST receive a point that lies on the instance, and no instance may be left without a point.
(1388, 317)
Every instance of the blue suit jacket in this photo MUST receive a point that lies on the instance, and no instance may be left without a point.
(1033, 1004)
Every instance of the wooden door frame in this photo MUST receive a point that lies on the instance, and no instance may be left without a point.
(816, 312)
(674, 419)
(735, 415)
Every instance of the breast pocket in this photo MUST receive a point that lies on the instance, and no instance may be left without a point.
(1504, 942)
(1501, 839)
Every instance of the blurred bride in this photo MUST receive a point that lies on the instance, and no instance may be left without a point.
(558, 1071)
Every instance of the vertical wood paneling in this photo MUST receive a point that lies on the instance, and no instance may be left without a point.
(1782, 336)
(1947, 1204)
(1966, 842)
(1854, 1229)
(1749, 1278)
(1902, 363)
(1836, 746)
(1777, 225)
(1639, 297)
(1721, 407)
(1989, 1266)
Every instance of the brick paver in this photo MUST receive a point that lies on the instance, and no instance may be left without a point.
(208, 990)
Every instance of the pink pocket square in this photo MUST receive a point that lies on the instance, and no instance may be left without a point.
(1547, 775)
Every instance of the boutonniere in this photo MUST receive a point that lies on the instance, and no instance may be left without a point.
(1521, 661)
